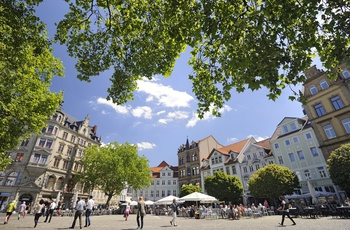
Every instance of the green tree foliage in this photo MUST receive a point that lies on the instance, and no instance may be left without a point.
(271, 181)
(224, 187)
(234, 44)
(188, 189)
(338, 165)
(114, 167)
(26, 69)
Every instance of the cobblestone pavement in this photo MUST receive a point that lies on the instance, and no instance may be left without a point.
(152, 222)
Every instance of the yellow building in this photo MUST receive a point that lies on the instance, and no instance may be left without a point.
(328, 107)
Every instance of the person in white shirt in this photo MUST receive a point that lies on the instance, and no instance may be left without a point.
(79, 211)
(89, 207)
(50, 211)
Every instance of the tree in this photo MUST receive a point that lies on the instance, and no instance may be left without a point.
(234, 45)
(272, 181)
(114, 167)
(26, 69)
(338, 165)
(188, 189)
(224, 187)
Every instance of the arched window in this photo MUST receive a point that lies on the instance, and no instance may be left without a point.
(324, 84)
(313, 90)
(59, 184)
(50, 182)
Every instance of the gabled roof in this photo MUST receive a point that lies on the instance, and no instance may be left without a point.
(264, 143)
(235, 147)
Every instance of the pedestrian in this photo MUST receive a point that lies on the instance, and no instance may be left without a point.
(127, 211)
(285, 210)
(140, 212)
(10, 208)
(79, 211)
(173, 207)
(50, 210)
(39, 209)
(22, 210)
(89, 207)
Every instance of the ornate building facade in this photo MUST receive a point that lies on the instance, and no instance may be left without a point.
(45, 165)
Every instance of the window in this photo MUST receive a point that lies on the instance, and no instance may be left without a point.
(293, 126)
(56, 163)
(285, 129)
(308, 136)
(174, 192)
(163, 173)
(72, 138)
(276, 146)
(69, 151)
(188, 158)
(257, 166)
(329, 188)
(322, 172)
(346, 74)
(291, 157)
(174, 182)
(65, 135)
(254, 155)
(169, 173)
(287, 142)
(251, 169)
(61, 148)
(188, 171)
(346, 124)
(337, 103)
(319, 110)
(233, 168)
(43, 159)
(36, 158)
(152, 193)
(169, 193)
(313, 90)
(157, 182)
(49, 144)
(249, 157)
(163, 193)
(169, 182)
(25, 143)
(245, 169)
(42, 142)
(329, 131)
(314, 152)
(280, 160)
(11, 179)
(301, 155)
(295, 140)
(163, 182)
(157, 193)
(65, 165)
(324, 84)
(19, 157)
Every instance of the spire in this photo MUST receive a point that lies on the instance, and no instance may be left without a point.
(187, 144)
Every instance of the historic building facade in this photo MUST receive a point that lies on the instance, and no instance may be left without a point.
(190, 158)
(164, 183)
(45, 165)
(294, 145)
(328, 107)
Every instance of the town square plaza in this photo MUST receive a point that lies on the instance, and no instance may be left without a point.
(153, 222)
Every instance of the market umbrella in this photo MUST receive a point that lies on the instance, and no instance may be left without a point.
(149, 202)
(197, 196)
(166, 200)
(312, 192)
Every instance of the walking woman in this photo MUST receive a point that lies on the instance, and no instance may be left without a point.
(140, 212)
(285, 210)
(38, 211)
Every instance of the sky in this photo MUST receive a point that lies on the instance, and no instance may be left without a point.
(163, 113)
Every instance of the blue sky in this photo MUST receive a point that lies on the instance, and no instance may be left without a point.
(163, 113)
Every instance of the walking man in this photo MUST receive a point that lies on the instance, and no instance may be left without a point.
(50, 211)
(89, 207)
(285, 210)
(10, 208)
(140, 212)
(79, 211)
(173, 207)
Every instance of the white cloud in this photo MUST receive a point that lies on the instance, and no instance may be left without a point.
(118, 108)
(171, 116)
(257, 138)
(207, 116)
(232, 139)
(145, 145)
(142, 111)
(104, 112)
(160, 112)
(165, 95)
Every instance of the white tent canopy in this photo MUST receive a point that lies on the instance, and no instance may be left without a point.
(197, 196)
(149, 202)
(131, 203)
(166, 200)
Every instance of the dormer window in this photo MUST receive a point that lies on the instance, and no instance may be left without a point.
(285, 129)
(324, 84)
(346, 74)
(293, 126)
(313, 90)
